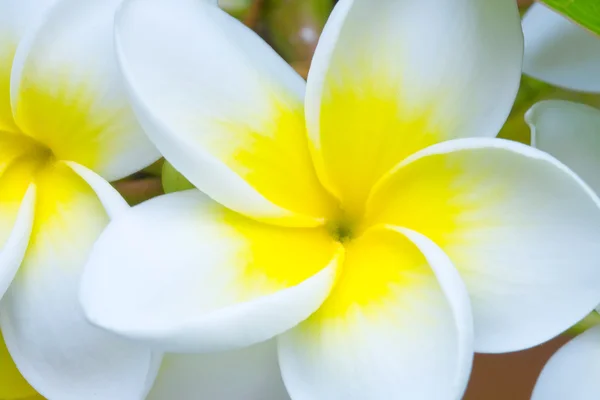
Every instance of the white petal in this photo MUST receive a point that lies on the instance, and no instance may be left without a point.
(55, 348)
(570, 132)
(110, 198)
(12, 384)
(397, 325)
(17, 204)
(222, 107)
(392, 78)
(16, 18)
(184, 273)
(572, 373)
(560, 52)
(13, 249)
(67, 92)
(251, 373)
(522, 229)
(114, 205)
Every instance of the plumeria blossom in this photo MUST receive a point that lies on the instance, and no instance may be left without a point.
(564, 54)
(367, 219)
(65, 129)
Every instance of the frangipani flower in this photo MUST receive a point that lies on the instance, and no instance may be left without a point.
(369, 221)
(565, 55)
(64, 118)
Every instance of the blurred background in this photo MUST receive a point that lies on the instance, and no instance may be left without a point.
(292, 28)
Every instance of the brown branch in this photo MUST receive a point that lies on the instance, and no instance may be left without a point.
(139, 190)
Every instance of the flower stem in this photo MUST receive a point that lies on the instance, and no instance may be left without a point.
(139, 190)
(591, 320)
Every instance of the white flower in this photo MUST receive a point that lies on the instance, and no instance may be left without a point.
(356, 224)
(564, 54)
(64, 118)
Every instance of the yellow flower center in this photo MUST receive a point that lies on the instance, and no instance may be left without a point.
(341, 231)
(345, 227)
(22, 158)
(38, 152)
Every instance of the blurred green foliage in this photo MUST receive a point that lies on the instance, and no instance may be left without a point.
(237, 8)
(172, 180)
(293, 27)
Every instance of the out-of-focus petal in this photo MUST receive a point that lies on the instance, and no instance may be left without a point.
(560, 52)
(570, 132)
(251, 373)
(572, 373)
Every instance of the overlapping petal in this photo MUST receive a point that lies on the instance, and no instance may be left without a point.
(391, 78)
(13, 247)
(183, 272)
(251, 373)
(12, 385)
(572, 373)
(222, 107)
(570, 132)
(398, 320)
(16, 17)
(560, 52)
(114, 205)
(55, 348)
(67, 93)
(17, 202)
(15, 147)
(522, 229)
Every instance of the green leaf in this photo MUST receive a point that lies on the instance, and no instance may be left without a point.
(154, 169)
(583, 12)
(173, 181)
